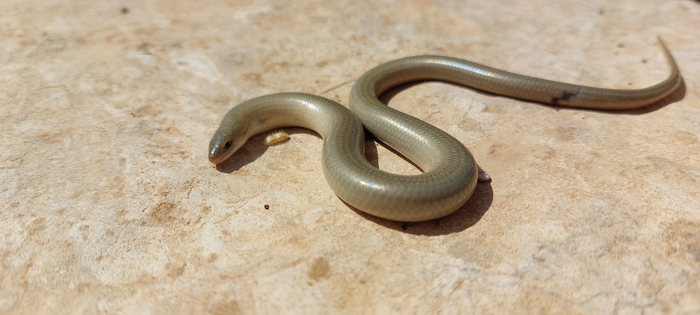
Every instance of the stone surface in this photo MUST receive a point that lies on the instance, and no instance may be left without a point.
(109, 205)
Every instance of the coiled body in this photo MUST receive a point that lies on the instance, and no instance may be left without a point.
(450, 172)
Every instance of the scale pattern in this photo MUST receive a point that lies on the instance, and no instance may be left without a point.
(450, 172)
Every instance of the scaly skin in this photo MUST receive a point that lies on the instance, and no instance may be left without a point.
(450, 172)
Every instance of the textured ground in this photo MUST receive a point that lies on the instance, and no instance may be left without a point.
(108, 203)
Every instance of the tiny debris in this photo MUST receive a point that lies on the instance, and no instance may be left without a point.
(125, 10)
(620, 45)
(565, 96)
(483, 176)
(276, 137)
(644, 60)
(267, 207)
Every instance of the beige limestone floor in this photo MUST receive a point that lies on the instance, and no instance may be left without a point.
(109, 205)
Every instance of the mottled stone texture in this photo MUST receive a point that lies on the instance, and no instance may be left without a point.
(109, 205)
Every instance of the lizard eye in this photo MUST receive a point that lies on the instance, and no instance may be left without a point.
(227, 145)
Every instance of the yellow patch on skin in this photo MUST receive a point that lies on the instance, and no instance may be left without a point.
(276, 137)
